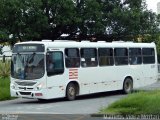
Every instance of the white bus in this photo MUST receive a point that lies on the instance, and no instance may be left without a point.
(46, 69)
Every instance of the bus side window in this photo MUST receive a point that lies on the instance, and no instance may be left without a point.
(135, 56)
(148, 55)
(72, 58)
(105, 56)
(89, 57)
(121, 56)
(55, 63)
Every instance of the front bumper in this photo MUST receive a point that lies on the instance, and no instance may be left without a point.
(29, 94)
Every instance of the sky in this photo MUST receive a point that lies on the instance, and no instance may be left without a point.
(152, 4)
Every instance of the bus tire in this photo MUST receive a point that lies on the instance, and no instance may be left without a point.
(128, 85)
(71, 91)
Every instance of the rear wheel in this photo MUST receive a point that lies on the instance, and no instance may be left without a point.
(127, 85)
(71, 91)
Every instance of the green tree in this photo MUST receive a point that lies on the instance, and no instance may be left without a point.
(61, 17)
(82, 19)
(128, 19)
(89, 17)
(22, 20)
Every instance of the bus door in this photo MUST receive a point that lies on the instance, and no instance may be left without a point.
(55, 72)
(149, 65)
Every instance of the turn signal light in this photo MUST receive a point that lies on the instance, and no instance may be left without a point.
(38, 94)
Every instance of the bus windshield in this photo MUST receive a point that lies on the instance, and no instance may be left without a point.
(27, 66)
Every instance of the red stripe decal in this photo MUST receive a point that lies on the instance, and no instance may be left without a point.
(73, 73)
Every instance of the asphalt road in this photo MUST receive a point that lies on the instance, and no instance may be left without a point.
(57, 109)
(82, 105)
(61, 109)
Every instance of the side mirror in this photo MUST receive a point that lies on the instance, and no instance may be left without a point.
(1, 51)
(14, 60)
(4, 58)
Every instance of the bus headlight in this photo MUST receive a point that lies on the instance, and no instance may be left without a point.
(40, 86)
(13, 86)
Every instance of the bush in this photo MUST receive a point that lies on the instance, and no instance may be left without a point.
(4, 89)
(5, 68)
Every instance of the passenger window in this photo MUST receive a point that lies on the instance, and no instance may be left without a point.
(105, 56)
(54, 63)
(121, 56)
(135, 56)
(148, 55)
(72, 58)
(89, 57)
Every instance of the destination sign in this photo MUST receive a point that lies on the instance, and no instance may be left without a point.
(28, 48)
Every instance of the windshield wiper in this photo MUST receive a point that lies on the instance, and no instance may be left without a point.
(31, 59)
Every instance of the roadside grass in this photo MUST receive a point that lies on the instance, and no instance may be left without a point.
(5, 68)
(144, 102)
(5, 89)
(4, 80)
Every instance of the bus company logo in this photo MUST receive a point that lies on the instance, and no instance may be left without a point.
(73, 73)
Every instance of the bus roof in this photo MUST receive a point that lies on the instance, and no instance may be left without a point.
(64, 44)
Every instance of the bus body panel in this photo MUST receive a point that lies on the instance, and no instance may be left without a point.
(90, 79)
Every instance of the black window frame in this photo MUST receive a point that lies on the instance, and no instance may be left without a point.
(87, 60)
(148, 58)
(135, 56)
(54, 71)
(106, 59)
(121, 59)
(72, 61)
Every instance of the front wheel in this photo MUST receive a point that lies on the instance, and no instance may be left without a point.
(71, 91)
(127, 86)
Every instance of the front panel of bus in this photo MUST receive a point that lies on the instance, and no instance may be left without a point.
(28, 70)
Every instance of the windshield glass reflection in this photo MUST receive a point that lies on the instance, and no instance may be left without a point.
(27, 66)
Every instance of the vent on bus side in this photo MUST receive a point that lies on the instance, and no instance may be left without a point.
(85, 41)
(101, 41)
(46, 40)
(64, 41)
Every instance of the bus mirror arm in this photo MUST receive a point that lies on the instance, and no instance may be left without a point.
(4, 58)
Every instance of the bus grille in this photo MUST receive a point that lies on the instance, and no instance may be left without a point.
(25, 93)
(25, 88)
(26, 83)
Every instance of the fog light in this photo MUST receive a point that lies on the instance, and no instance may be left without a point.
(38, 94)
